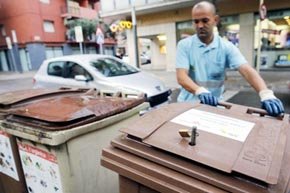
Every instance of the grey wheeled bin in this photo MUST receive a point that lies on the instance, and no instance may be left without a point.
(11, 173)
(60, 140)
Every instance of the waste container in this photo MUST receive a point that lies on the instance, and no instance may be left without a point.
(236, 149)
(1, 187)
(11, 173)
(60, 139)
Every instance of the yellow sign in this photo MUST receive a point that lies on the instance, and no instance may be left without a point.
(121, 26)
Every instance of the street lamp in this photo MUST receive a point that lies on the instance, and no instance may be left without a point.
(134, 25)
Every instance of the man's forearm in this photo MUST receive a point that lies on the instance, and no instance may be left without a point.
(252, 77)
(185, 81)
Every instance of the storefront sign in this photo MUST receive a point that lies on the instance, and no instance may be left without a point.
(120, 26)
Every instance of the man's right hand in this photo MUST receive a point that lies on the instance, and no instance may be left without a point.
(206, 97)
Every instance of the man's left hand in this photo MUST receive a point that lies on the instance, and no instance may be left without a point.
(270, 103)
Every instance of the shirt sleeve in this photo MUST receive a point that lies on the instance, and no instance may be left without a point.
(234, 57)
(182, 57)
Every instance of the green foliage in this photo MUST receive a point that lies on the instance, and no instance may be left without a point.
(88, 26)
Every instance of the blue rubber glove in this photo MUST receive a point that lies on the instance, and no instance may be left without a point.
(270, 103)
(206, 97)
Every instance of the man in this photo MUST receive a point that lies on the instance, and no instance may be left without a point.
(202, 59)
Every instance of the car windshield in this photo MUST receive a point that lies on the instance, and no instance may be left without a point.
(110, 67)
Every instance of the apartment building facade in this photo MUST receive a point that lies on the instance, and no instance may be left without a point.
(37, 31)
(165, 22)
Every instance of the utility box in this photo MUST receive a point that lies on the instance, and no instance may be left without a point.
(234, 149)
(60, 138)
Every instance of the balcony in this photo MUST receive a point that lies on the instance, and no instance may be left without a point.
(116, 7)
(78, 12)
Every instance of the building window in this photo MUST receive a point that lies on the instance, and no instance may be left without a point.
(184, 29)
(48, 26)
(228, 28)
(52, 52)
(91, 50)
(45, 1)
(25, 60)
(275, 30)
(4, 65)
(274, 39)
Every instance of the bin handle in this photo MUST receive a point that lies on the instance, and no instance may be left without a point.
(226, 105)
(263, 112)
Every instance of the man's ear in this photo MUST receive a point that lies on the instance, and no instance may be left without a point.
(217, 19)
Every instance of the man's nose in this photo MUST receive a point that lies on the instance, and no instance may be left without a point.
(199, 24)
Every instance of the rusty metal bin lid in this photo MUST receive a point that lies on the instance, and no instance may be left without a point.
(64, 112)
(235, 139)
(13, 98)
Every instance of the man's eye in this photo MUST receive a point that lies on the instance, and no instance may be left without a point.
(203, 20)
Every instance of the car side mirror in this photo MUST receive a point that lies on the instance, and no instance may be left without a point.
(81, 78)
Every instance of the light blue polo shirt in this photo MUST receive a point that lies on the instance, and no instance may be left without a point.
(207, 64)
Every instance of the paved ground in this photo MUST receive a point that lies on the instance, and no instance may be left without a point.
(250, 98)
(276, 80)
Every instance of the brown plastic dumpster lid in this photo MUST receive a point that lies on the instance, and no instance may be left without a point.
(64, 112)
(232, 139)
(9, 99)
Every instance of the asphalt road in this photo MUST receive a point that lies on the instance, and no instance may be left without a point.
(15, 84)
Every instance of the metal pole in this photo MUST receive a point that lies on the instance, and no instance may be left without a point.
(15, 51)
(259, 41)
(13, 60)
(134, 24)
(9, 46)
(81, 47)
(101, 49)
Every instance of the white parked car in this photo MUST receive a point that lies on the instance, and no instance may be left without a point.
(100, 72)
(144, 59)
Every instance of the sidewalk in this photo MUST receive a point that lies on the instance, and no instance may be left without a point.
(16, 75)
(278, 81)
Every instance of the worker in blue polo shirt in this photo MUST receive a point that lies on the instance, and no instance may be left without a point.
(202, 59)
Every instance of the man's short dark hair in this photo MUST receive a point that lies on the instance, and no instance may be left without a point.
(205, 3)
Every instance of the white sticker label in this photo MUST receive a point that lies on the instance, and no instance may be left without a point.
(7, 162)
(217, 124)
(40, 168)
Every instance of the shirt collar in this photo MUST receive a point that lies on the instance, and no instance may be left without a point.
(212, 45)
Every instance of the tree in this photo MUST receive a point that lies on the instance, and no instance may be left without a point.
(88, 26)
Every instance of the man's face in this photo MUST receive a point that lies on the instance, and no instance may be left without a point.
(204, 21)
